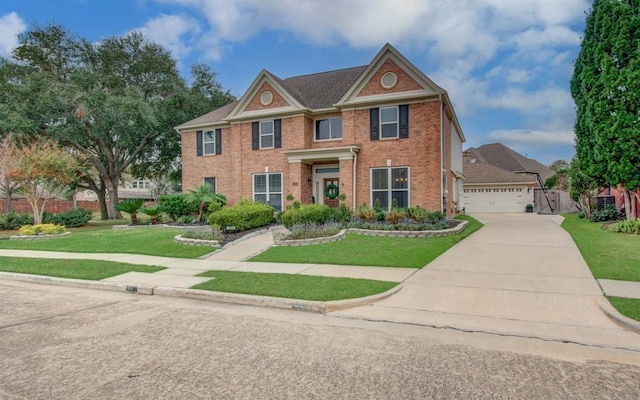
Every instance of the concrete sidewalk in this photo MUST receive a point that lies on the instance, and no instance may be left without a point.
(521, 275)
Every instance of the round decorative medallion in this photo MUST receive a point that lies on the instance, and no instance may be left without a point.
(389, 80)
(266, 98)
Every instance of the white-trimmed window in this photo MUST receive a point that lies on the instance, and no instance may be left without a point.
(388, 122)
(329, 129)
(266, 135)
(267, 188)
(390, 186)
(211, 181)
(141, 184)
(208, 142)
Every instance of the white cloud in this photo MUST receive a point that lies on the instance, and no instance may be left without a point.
(11, 25)
(172, 31)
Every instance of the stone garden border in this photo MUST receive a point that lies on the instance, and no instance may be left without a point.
(196, 242)
(36, 237)
(370, 232)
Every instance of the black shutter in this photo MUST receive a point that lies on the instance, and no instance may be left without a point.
(218, 141)
(255, 136)
(277, 133)
(374, 118)
(199, 143)
(404, 121)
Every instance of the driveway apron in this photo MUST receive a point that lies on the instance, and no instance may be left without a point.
(520, 275)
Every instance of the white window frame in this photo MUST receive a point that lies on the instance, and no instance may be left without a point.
(141, 184)
(205, 142)
(389, 190)
(268, 192)
(396, 122)
(315, 135)
(272, 134)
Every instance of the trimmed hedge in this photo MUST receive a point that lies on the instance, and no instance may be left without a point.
(12, 220)
(310, 213)
(175, 206)
(71, 219)
(247, 214)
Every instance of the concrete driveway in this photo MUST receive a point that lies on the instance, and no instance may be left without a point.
(520, 275)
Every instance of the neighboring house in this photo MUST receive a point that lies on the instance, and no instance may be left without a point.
(129, 188)
(498, 179)
(378, 133)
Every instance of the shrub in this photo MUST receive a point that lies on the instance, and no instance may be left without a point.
(71, 219)
(131, 207)
(341, 214)
(630, 227)
(186, 219)
(154, 212)
(176, 206)
(609, 213)
(309, 213)
(247, 214)
(396, 215)
(47, 229)
(11, 220)
(581, 214)
(366, 213)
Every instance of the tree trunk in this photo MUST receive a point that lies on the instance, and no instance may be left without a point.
(112, 190)
(627, 204)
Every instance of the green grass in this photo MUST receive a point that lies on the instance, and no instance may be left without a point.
(76, 269)
(380, 251)
(148, 241)
(628, 307)
(303, 287)
(610, 255)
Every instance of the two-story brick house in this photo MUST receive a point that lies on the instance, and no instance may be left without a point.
(375, 133)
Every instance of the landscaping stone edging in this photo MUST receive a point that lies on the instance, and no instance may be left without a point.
(159, 226)
(196, 242)
(36, 237)
(370, 232)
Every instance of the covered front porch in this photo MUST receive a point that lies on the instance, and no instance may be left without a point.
(321, 175)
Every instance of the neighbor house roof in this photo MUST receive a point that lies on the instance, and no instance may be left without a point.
(499, 155)
(480, 173)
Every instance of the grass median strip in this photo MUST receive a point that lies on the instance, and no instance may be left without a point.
(147, 241)
(303, 287)
(93, 270)
(379, 251)
(628, 307)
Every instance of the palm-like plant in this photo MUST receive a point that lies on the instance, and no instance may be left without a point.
(152, 212)
(204, 195)
(131, 207)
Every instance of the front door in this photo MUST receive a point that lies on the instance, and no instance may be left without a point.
(331, 191)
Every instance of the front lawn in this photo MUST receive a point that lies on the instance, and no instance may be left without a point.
(93, 270)
(380, 251)
(303, 287)
(628, 307)
(148, 241)
(610, 255)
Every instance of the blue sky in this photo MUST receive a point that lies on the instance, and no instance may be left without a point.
(505, 63)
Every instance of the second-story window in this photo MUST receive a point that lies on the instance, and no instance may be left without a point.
(266, 134)
(208, 142)
(388, 122)
(329, 129)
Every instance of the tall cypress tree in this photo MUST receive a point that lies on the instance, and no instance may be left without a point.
(606, 89)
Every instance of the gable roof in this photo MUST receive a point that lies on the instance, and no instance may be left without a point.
(481, 173)
(501, 156)
(210, 118)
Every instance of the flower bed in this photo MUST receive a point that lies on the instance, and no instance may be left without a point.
(370, 232)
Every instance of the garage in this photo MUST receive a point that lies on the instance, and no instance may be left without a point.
(488, 189)
(509, 199)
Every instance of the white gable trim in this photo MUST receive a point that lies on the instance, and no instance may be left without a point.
(389, 52)
(264, 76)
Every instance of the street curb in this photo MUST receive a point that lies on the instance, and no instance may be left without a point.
(317, 307)
(615, 315)
(79, 283)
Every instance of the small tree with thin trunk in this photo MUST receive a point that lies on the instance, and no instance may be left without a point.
(43, 171)
(8, 161)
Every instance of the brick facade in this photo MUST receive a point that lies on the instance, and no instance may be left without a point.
(422, 152)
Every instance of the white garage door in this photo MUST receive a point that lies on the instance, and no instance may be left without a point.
(494, 199)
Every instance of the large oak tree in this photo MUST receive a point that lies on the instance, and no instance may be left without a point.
(114, 102)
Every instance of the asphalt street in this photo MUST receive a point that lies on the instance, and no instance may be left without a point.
(66, 343)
